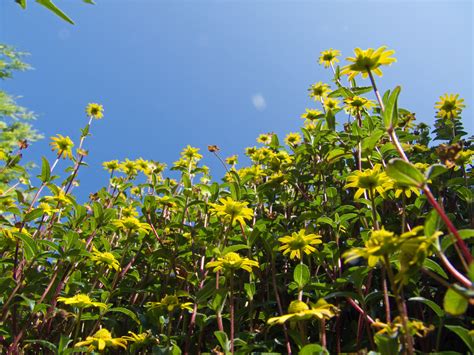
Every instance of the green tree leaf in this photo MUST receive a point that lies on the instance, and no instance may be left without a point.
(454, 303)
(405, 173)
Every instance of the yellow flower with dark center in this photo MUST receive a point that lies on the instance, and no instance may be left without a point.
(62, 145)
(356, 104)
(329, 57)
(232, 160)
(169, 303)
(81, 301)
(312, 114)
(102, 339)
(293, 139)
(449, 106)
(319, 91)
(105, 258)
(298, 310)
(370, 180)
(366, 60)
(265, 138)
(232, 211)
(128, 167)
(111, 165)
(95, 110)
(131, 224)
(250, 150)
(380, 243)
(231, 262)
(331, 104)
(299, 243)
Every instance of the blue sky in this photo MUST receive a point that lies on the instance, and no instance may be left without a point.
(172, 73)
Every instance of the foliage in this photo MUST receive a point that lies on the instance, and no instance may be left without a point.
(51, 6)
(342, 240)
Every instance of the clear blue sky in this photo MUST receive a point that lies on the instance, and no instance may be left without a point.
(172, 73)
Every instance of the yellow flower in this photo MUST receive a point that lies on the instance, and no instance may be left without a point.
(331, 104)
(380, 243)
(319, 91)
(232, 160)
(191, 153)
(371, 180)
(232, 211)
(298, 310)
(81, 301)
(415, 327)
(449, 106)
(356, 104)
(265, 138)
(312, 114)
(95, 110)
(368, 60)
(62, 145)
(47, 209)
(141, 338)
(329, 57)
(101, 340)
(292, 139)
(405, 190)
(111, 165)
(105, 258)
(169, 303)
(131, 224)
(128, 167)
(299, 243)
(231, 262)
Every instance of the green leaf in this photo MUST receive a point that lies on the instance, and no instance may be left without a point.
(390, 115)
(22, 3)
(405, 173)
(33, 214)
(386, 344)
(52, 7)
(435, 170)
(434, 307)
(223, 340)
(433, 266)
(45, 170)
(312, 349)
(454, 303)
(124, 311)
(301, 275)
(432, 223)
(449, 239)
(463, 333)
(29, 245)
(234, 248)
